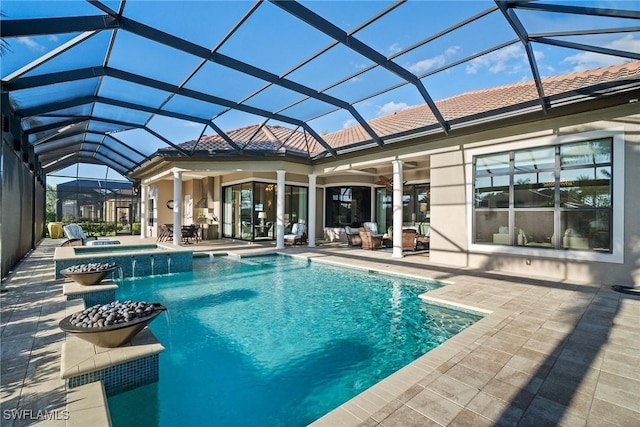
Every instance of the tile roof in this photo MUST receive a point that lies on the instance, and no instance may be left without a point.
(483, 101)
(261, 138)
(272, 138)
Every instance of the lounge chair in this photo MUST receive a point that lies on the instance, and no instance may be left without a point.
(298, 234)
(370, 240)
(76, 237)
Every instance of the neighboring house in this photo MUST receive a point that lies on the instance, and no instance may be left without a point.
(95, 200)
(511, 188)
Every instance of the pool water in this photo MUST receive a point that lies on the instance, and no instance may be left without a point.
(276, 341)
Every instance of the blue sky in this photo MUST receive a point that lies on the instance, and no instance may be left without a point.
(273, 40)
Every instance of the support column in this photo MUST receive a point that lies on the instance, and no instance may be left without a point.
(280, 210)
(397, 208)
(177, 207)
(143, 211)
(311, 226)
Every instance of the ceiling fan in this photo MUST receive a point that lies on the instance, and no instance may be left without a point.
(387, 182)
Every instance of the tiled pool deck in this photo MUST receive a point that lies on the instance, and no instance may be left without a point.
(550, 353)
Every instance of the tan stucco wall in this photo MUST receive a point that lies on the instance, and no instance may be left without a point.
(449, 212)
(448, 218)
(165, 193)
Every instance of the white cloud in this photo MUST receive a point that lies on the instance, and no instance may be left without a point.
(509, 59)
(348, 123)
(590, 60)
(31, 44)
(193, 124)
(392, 107)
(394, 48)
(538, 54)
(425, 65)
(452, 50)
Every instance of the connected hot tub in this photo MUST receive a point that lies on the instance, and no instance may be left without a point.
(133, 260)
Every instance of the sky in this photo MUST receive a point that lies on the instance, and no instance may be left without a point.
(273, 40)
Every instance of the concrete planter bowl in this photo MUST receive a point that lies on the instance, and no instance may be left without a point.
(92, 275)
(111, 335)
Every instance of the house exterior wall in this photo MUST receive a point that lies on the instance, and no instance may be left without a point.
(164, 194)
(451, 226)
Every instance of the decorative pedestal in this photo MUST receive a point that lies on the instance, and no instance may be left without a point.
(103, 293)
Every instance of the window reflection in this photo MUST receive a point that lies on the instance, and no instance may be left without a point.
(585, 187)
(534, 190)
(492, 192)
(534, 159)
(551, 197)
(586, 153)
(493, 163)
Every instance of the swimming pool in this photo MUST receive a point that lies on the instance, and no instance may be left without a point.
(276, 341)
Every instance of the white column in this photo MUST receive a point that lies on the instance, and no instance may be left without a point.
(143, 211)
(311, 225)
(280, 210)
(397, 208)
(177, 207)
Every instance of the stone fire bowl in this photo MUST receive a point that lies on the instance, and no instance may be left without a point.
(88, 278)
(114, 335)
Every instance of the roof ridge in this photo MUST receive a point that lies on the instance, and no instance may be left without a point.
(266, 129)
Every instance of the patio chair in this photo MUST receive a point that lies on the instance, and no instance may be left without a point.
(372, 227)
(191, 232)
(298, 234)
(353, 236)
(75, 236)
(164, 233)
(423, 238)
(370, 240)
(409, 239)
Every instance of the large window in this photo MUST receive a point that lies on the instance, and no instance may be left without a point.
(553, 197)
(415, 206)
(348, 206)
(249, 211)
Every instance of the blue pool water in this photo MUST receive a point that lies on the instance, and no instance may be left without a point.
(276, 341)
